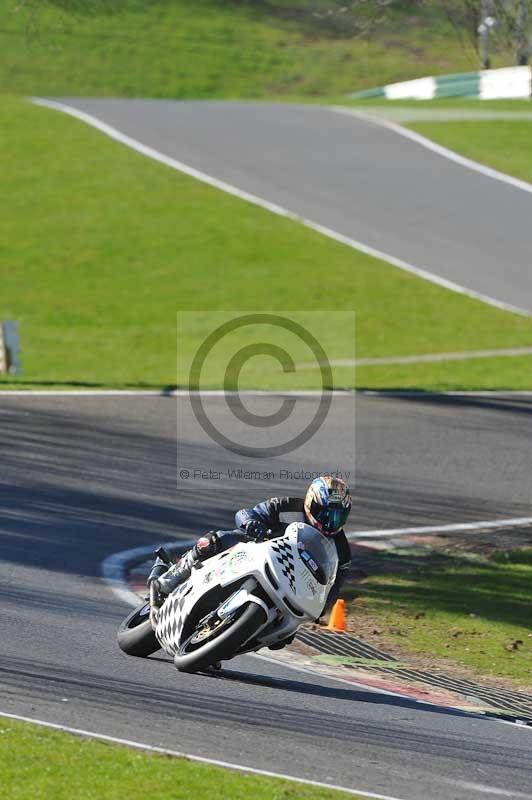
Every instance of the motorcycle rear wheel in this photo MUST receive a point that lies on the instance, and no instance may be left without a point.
(136, 636)
(224, 644)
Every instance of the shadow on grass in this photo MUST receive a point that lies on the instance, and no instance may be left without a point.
(490, 590)
(21, 384)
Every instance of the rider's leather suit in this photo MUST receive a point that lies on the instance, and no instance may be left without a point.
(274, 514)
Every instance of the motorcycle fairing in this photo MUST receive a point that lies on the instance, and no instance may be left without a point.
(276, 565)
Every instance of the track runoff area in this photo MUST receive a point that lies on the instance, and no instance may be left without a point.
(470, 527)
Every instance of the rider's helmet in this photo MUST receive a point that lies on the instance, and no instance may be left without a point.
(327, 504)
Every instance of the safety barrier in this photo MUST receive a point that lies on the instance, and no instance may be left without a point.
(9, 349)
(491, 84)
(3, 354)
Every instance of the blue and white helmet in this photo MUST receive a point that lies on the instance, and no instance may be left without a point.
(327, 504)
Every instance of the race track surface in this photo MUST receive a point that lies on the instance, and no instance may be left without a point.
(82, 478)
(351, 175)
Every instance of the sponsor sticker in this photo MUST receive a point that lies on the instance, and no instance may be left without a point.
(237, 559)
(309, 561)
(209, 576)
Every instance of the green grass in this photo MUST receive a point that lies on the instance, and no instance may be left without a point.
(209, 48)
(482, 374)
(459, 103)
(464, 609)
(101, 247)
(503, 144)
(49, 764)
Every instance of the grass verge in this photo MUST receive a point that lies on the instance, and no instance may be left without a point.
(503, 144)
(462, 608)
(177, 48)
(444, 103)
(102, 247)
(54, 764)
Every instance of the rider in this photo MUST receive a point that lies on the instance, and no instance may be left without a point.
(326, 506)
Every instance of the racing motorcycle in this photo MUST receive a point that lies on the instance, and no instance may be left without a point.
(254, 595)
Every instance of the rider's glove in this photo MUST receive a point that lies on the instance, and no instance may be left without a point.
(256, 530)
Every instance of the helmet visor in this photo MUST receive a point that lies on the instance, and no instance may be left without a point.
(331, 518)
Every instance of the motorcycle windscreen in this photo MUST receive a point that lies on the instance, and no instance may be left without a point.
(317, 554)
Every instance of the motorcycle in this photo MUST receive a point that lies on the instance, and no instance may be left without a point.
(254, 595)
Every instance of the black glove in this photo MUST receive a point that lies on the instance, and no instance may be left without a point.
(256, 530)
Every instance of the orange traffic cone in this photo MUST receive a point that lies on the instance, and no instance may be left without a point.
(337, 618)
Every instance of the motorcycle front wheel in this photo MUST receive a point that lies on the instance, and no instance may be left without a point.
(206, 646)
(136, 636)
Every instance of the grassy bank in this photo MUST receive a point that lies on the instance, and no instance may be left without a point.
(465, 609)
(207, 48)
(503, 144)
(59, 765)
(102, 247)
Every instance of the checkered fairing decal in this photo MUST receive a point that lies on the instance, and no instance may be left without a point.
(170, 621)
(285, 557)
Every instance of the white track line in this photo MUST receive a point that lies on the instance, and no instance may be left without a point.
(481, 787)
(365, 687)
(426, 358)
(496, 394)
(212, 761)
(461, 527)
(168, 393)
(86, 393)
(488, 172)
(156, 155)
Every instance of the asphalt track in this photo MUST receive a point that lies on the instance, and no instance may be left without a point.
(82, 478)
(353, 176)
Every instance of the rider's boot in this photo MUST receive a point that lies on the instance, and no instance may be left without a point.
(177, 574)
(154, 596)
(164, 584)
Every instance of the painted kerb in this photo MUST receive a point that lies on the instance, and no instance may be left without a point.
(508, 82)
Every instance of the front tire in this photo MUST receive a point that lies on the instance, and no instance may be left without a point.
(224, 645)
(136, 636)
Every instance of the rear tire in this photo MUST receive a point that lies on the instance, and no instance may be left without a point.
(224, 646)
(136, 636)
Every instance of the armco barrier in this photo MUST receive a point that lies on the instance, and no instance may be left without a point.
(3, 354)
(508, 82)
(9, 349)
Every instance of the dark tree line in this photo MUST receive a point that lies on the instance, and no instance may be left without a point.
(496, 25)
(490, 25)
(493, 26)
